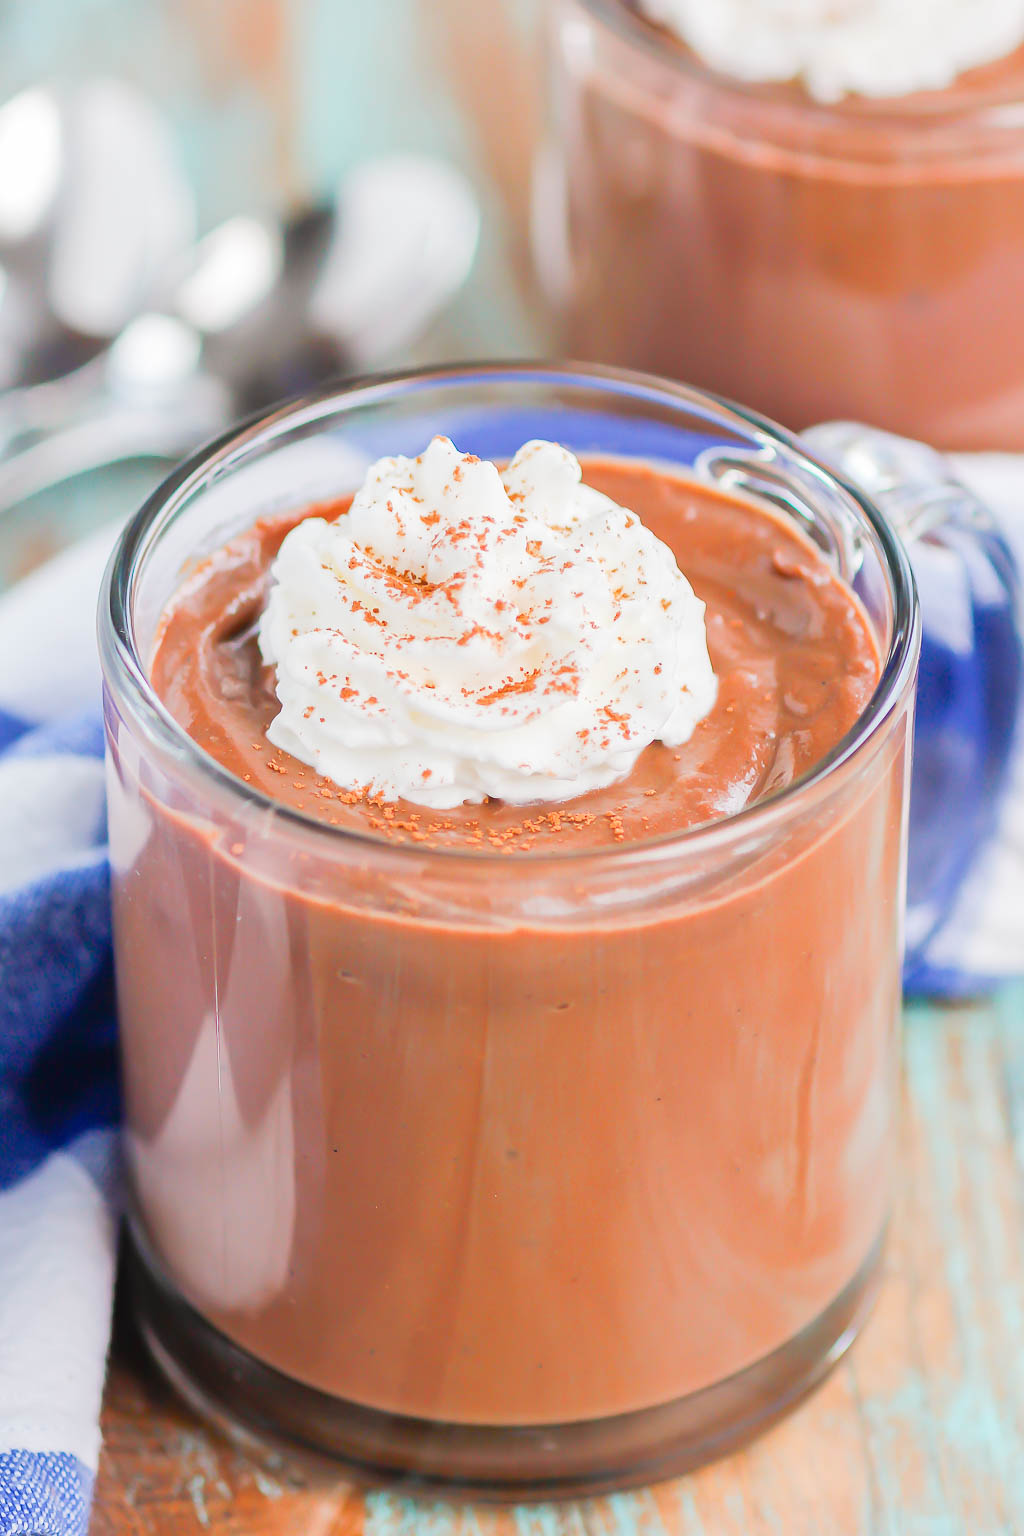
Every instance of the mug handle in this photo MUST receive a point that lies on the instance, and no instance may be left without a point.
(972, 662)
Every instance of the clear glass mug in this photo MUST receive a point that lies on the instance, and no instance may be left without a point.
(529, 1176)
(855, 261)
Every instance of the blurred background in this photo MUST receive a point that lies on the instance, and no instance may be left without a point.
(194, 194)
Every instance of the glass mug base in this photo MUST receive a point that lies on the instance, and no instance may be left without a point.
(260, 1408)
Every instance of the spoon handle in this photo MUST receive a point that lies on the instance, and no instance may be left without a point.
(29, 409)
(105, 438)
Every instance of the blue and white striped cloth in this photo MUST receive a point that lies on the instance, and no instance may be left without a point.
(58, 1096)
(58, 1080)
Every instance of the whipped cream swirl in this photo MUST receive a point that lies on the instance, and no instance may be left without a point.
(460, 633)
(836, 47)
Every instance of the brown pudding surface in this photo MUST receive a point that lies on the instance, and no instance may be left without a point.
(794, 656)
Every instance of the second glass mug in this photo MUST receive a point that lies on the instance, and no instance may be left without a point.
(854, 260)
(532, 1176)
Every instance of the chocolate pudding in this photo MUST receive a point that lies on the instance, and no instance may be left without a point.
(858, 259)
(470, 1117)
(794, 656)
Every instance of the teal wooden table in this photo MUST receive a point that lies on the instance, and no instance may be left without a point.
(919, 1432)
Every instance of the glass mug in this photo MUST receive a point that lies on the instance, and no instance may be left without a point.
(533, 1176)
(856, 260)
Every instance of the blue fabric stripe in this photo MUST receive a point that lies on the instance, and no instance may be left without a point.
(948, 983)
(11, 727)
(58, 1072)
(44, 1494)
(80, 735)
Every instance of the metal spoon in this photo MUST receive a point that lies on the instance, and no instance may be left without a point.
(96, 221)
(264, 312)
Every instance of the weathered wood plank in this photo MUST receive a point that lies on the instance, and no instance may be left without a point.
(919, 1433)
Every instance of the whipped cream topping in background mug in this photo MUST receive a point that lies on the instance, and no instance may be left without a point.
(836, 47)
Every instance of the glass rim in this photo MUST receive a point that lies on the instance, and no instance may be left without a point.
(869, 112)
(125, 672)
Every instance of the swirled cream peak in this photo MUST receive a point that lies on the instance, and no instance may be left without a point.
(838, 47)
(460, 633)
